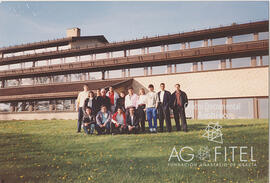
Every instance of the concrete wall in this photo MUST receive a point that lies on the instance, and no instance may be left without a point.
(38, 115)
(243, 82)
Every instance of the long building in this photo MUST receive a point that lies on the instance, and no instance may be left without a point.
(223, 70)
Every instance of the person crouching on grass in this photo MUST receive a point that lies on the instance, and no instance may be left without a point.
(89, 121)
(119, 121)
(103, 119)
(132, 121)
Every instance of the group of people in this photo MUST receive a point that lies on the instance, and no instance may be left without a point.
(110, 112)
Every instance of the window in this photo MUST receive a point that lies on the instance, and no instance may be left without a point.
(15, 66)
(210, 109)
(12, 82)
(239, 108)
(95, 75)
(59, 78)
(136, 72)
(159, 69)
(186, 67)
(115, 74)
(26, 81)
(42, 80)
(219, 41)
(4, 107)
(263, 108)
(135, 52)
(196, 44)
(41, 63)
(101, 56)
(211, 65)
(190, 109)
(243, 38)
(265, 60)
(174, 47)
(154, 49)
(241, 62)
(263, 35)
(66, 105)
(42, 105)
(118, 54)
(76, 77)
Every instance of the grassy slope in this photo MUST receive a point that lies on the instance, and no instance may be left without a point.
(51, 151)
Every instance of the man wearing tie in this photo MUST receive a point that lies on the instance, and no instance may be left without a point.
(179, 101)
(164, 97)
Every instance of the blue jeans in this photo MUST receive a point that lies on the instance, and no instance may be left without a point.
(152, 115)
(80, 117)
(89, 129)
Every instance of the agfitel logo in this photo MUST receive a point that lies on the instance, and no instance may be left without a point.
(214, 134)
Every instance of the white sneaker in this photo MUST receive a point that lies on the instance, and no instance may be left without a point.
(154, 130)
(151, 129)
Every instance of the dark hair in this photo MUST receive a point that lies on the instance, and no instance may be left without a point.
(123, 92)
(177, 84)
(132, 108)
(85, 85)
(162, 84)
(92, 93)
(150, 86)
(130, 88)
(88, 108)
(103, 106)
(120, 108)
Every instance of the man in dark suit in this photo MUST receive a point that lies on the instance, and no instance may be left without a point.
(132, 121)
(164, 97)
(103, 100)
(179, 101)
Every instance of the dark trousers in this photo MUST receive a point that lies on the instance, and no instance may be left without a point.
(180, 111)
(164, 113)
(118, 129)
(106, 128)
(134, 130)
(80, 117)
(141, 114)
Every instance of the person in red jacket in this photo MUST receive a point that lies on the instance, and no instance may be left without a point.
(119, 121)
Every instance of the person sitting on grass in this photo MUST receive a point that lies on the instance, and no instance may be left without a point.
(89, 121)
(103, 119)
(132, 121)
(119, 121)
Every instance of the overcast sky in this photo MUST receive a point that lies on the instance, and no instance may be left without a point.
(23, 22)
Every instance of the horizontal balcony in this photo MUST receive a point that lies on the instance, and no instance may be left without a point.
(211, 33)
(235, 50)
(56, 91)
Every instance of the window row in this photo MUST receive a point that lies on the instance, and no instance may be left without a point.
(134, 72)
(241, 108)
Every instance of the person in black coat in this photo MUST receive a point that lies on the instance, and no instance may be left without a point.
(132, 121)
(120, 102)
(91, 102)
(103, 100)
(89, 121)
(164, 97)
(179, 102)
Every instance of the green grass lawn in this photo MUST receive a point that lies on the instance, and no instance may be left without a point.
(51, 151)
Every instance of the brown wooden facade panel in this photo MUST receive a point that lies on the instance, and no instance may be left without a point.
(215, 52)
(237, 29)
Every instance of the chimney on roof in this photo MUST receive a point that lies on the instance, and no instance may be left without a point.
(74, 32)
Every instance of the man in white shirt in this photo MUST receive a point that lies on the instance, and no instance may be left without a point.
(164, 108)
(80, 105)
(131, 100)
(151, 108)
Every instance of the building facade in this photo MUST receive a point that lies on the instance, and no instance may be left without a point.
(223, 70)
